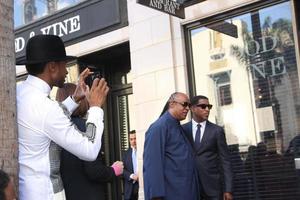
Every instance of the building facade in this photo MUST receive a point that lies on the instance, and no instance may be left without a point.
(242, 54)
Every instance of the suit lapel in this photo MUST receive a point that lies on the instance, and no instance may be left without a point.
(205, 136)
(129, 160)
(187, 137)
(190, 133)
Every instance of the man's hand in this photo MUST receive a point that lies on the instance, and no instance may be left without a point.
(227, 196)
(98, 92)
(118, 167)
(135, 177)
(82, 88)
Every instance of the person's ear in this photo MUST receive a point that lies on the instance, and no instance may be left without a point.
(53, 70)
(192, 108)
(52, 67)
(171, 104)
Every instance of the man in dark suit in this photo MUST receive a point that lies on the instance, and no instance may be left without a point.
(131, 177)
(212, 155)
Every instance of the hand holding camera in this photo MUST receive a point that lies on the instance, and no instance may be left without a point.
(96, 95)
(98, 92)
(81, 89)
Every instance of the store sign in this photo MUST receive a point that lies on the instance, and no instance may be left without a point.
(62, 28)
(171, 7)
(277, 68)
(71, 25)
(264, 47)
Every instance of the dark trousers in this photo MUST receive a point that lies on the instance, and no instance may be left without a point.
(133, 197)
(135, 192)
(212, 198)
(206, 197)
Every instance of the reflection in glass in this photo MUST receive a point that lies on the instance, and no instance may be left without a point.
(222, 84)
(27, 11)
(256, 76)
(124, 121)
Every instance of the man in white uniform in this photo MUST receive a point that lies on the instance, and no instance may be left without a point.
(45, 124)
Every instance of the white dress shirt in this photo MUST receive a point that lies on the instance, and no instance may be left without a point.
(41, 123)
(134, 163)
(134, 160)
(194, 124)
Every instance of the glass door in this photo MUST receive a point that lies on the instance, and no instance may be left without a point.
(119, 123)
(246, 65)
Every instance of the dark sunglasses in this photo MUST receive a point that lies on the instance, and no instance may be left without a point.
(184, 104)
(204, 106)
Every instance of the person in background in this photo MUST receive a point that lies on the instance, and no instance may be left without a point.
(44, 125)
(131, 177)
(7, 189)
(212, 154)
(169, 167)
(83, 179)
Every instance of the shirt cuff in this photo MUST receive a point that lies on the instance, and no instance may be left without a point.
(70, 104)
(131, 176)
(95, 110)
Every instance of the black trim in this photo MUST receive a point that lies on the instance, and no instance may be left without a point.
(297, 13)
(89, 28)
(233, 13)
(189, 63)
(187, 3)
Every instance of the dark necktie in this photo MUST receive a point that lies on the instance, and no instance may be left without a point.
(197, 137)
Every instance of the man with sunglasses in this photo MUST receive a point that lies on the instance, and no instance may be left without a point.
(169, 167)
(212, 155)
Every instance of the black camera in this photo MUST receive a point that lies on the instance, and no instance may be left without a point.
(89, 80)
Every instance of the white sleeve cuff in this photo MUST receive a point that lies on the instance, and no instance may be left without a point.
(131, 176)
(70, 104)
(95, 112)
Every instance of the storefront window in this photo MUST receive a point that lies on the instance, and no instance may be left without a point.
(27, 11)
(246, 66)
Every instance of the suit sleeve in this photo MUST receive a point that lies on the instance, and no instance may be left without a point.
(154, 152)
(187, 128)
(225, 160)
(126, 171)
(98, 171)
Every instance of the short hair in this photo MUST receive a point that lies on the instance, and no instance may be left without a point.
(170, 99)
(132, 132)
(66, 91)
(195, 99)
(36, 69)
(4, 181)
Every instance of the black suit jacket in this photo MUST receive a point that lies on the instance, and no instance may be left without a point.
(129, 187)
(82, 179)
(212, 159)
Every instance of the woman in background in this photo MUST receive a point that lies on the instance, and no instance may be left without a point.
(82, 179)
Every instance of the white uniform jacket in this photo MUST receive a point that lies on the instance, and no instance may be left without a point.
(42, 121)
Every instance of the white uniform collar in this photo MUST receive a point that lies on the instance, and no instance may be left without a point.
(194, 124)
(39, 84)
